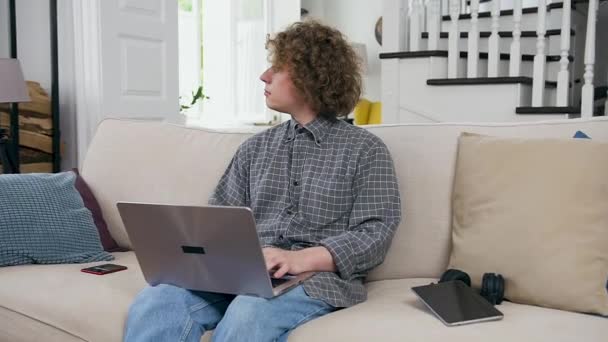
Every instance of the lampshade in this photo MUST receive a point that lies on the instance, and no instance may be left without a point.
(361, 51)
(12, 84)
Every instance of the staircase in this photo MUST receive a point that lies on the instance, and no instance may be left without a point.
(453, 60)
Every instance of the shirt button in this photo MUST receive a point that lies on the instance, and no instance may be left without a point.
(289, 211)
(296, 183)
(281, 237)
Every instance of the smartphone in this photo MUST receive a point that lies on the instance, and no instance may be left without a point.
(104, 269)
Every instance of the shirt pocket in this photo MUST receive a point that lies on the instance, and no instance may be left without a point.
(326, 200)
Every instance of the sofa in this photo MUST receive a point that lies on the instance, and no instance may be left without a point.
(168, 163)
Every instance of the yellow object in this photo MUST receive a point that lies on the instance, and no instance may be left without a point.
(362, 112)
(368, 113)
(375, 114)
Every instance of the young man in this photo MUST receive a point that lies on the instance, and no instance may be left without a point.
(324, 196)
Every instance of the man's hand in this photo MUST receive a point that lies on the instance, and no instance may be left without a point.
(283, 262)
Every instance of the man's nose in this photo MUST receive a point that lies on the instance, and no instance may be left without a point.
(265, 76)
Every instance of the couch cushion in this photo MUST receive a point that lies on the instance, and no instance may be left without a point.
(154, 162)
(15, 327)
(87, 306)
(425, 156)
(393, 313)
(516, 213)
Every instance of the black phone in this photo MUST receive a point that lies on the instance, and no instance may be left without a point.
(104, 269)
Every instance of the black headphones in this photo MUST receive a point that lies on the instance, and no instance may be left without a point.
(492, 284)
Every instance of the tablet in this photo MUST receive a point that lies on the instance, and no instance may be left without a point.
(456, 303)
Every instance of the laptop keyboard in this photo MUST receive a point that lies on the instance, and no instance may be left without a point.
(279, 281)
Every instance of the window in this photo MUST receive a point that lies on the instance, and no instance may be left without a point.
(190, 50)
(229, 56)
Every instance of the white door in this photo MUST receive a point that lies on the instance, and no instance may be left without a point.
(126, 62)
(139, 58)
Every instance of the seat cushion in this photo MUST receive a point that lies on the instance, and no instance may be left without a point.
(58, 303)
(87, 306)
(393, 313)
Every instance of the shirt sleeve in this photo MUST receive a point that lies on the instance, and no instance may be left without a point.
(374, 218)
(233, 187)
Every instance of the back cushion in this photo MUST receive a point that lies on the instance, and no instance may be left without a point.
(156, 162)
(425, 157)
(165, 163)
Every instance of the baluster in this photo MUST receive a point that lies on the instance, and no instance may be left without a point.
(454, 37)
(473, 43)
(416, 11)
(494, 41)
(515, 53)
(434, 24)
(563, 77)
(587, 93)
(538, 82)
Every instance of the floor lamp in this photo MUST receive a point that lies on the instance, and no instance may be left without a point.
(12, 89)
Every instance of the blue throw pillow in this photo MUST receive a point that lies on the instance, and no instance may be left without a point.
(581, 135)
(43, 220)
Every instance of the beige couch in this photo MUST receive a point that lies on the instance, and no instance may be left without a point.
(160, 162)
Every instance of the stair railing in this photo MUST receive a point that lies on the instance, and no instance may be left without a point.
(538, 80)
(473, 41)
(587, 91)
(426, 15)
(563, 76)
(453, 39)
(515, 51)
(494, 41)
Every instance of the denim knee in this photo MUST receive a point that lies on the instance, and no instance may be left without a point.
(245, 320)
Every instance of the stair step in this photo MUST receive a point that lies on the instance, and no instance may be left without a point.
(509, 12)
(486, 80)
(463, 54)
(503, 34)
(547, 110)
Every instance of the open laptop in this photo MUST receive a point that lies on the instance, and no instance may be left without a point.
(203, 248)
(455, 303)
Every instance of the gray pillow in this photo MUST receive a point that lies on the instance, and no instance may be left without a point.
(43, 220)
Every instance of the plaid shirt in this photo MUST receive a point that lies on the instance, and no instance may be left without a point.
(327, 184)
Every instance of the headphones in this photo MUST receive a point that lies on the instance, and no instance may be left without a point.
(492, 284)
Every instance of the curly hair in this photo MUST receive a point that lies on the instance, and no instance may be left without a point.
(322, 64)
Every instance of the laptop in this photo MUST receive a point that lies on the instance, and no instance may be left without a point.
(455, 303)
(202, 248)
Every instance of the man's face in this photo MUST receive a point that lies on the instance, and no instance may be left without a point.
(281, 94)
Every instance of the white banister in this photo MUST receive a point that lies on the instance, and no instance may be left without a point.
(454, 37)
(538, 82)
(416, 13)
(563, 77)
(434, 23)
(473, 43)
(494, 41)
(515, 52)
(587, 93)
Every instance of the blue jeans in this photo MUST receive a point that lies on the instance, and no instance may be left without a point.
(169, 313)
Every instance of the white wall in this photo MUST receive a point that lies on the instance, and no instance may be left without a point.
(4, 27)
(34, 53)
(356, 19)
